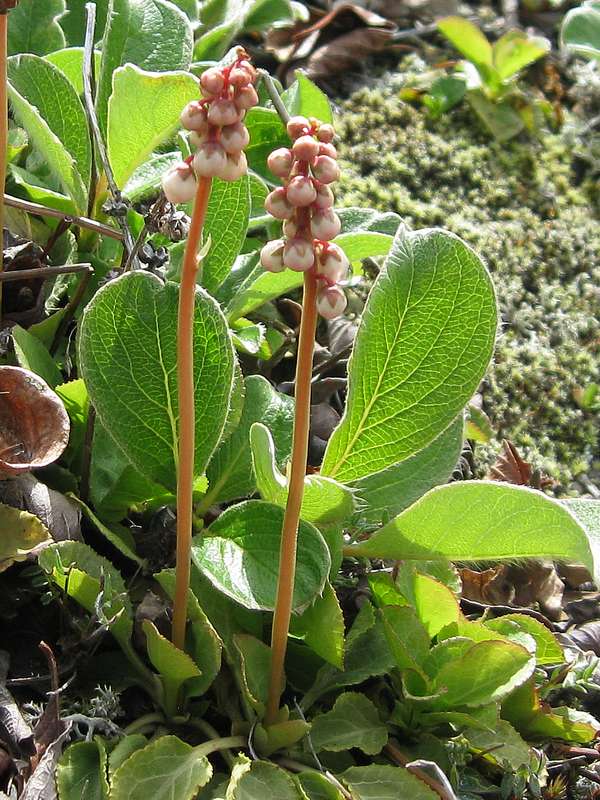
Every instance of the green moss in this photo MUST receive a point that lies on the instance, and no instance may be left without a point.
(518, 204)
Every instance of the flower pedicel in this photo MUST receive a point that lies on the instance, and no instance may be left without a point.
(305, 204)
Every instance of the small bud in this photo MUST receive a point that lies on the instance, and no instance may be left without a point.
(194, 117)
(223, 112)
(325, 198)
(298, 254)
(246, 98)
(325, 224)
(333, 263)
(306, 148)
(331, 302)
(301, 192)
(297, 126)
(239, 77)
(212, 81)
(280, 162)
(326, 169)
(236, 167)
(277, 204)
(249, 67)
(235, 137)
(198, 139)
(290, 228)
(325, 133)
(271, 256)
(210, 160)
(179, 183)
(327, 150)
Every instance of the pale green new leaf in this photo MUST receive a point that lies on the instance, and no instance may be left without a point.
(154, 35)
(580, 30)
(515, 50)
(230, 473)
(21, 533)
(127, 356)
(33, 27)
(239, 554)
(324, 501)
(481, 521)
(317, 787)
(587, 513)
(468, 39)
(70, 63)
(165, 769)
(304, 98)
(143, 111)
(383, 782)
(321, 627)
(174, 666)
(254, 664)
(352, 722)
(424, 342)
(50, 92)
(263, 779)
(406, 636)
(548, 650)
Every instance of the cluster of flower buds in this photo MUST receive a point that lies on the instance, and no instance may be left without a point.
(305, 204)
(217, 129)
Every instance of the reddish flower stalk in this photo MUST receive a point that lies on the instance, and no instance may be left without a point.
(217, 130)
(305, 203)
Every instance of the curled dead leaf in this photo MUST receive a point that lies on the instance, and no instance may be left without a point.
(34, 425)
(510, 467)
(20, 533)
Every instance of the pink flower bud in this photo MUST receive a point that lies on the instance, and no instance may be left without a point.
(297, 126)
(194, 117)
(333, 263)
(277, 204)
(240, 77)
(235, 137)
(249, 67)
(325, 133)
(331, 302)
(280, 162)
(246, 98)
(298, 254)
(223, 112)
(306, 148)
(212, 81)
(325, 224)
(179, 183)
(290, 228)
(210, 160)
(327, 150)
(271, 256)
(300, 191)
(324, 197)
(236, 167)
(198, 139)
(325, 169)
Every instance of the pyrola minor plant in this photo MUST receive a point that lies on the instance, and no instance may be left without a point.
(218, 132)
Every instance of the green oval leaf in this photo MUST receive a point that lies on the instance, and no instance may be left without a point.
(127, 356)
(165, 769)
(481, 521)
(34, 27)
(352, 722)
(143, 111)
(424, 342)
(239, 554)
(154, 35)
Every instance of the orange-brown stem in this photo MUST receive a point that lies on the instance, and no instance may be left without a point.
(185, 388)
(289, 535)
(3, 131)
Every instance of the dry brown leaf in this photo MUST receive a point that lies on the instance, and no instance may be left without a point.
(34, 425)
(510, 467)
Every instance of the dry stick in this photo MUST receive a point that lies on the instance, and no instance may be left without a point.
(291, 519)
(45, 211)
(185, 388)
(88, 97)
(3, 127)
(43, 273)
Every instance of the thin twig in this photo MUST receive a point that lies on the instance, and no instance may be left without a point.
(43, 273)
(81, 222)
(88, 96)
(155, 212)
(274, 96)
(71, 308)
